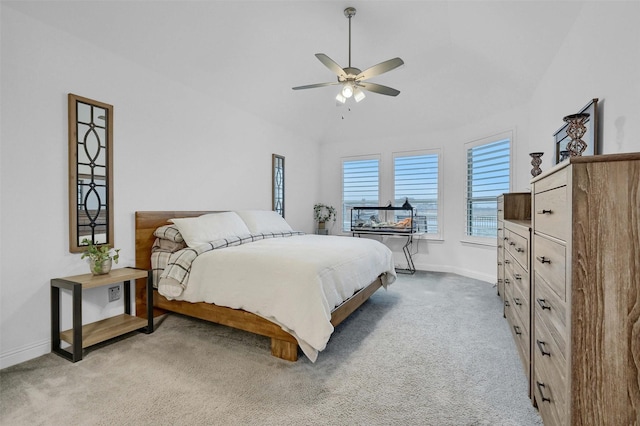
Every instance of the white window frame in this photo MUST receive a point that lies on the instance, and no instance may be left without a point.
(438, 153)
(345, 215)
(490, 241)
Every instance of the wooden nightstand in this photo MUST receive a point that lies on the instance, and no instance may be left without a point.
(99, 331)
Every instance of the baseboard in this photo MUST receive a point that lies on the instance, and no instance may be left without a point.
(456, 270)
(25, 353)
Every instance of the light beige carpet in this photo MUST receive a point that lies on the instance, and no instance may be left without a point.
(432, 350)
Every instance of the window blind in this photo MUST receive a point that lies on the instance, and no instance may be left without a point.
(416, 179)
(360, 186)
(488, 172)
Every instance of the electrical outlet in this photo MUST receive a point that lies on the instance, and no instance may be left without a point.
(114, 293)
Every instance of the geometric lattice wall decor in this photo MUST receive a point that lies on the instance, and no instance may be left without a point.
(278, 183)
(90, 173)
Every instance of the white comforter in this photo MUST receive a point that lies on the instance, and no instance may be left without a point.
(295, 282)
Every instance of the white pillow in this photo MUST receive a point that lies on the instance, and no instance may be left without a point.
(210, 227)
(264, 221)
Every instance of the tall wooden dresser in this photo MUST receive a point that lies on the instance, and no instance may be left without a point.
(586, 290)
(514, 284)
(512, 206)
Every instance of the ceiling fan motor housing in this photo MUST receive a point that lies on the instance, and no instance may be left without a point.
(351, 73)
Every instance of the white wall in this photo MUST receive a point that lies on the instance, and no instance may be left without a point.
(600, 58)
(173, 149)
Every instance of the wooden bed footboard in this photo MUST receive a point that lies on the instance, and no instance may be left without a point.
(283, 344)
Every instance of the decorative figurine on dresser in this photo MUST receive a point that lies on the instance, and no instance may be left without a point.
(586, 290)
(514, 249)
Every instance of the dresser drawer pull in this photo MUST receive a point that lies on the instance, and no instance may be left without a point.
(506, 303)
(543, 304)
(543, 211)
(499, 229)
(499, 246)
(507, 281)
(506, 238)
(517, 301)
(507, 261)
(519, 250)
(518, 277)
(540, 385)
(512, 243)
(517, 330)
(541, 344)
(499, 280)
(543, 259)
(499, 263)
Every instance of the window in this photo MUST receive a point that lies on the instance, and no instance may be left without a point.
(360, 186)
(488, 176)
(417, 178)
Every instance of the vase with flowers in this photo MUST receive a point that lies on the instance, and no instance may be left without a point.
(323, 213)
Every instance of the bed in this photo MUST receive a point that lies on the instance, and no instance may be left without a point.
(285, 340)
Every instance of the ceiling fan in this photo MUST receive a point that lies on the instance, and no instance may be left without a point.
(351, 78)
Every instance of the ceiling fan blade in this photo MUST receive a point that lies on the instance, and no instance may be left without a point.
(312, 86)
(331, 64)
(381, 68)
(379, 88)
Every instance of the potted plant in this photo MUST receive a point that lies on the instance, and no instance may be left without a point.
(100, 257)
(323, 213)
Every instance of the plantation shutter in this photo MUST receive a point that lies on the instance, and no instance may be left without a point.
(416, 179)
(488, 171)
(360, 186)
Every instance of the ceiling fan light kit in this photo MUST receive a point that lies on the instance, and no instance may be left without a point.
(351, 78)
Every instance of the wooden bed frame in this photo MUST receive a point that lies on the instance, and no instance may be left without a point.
(283, 344)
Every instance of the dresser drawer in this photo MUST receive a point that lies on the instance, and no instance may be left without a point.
(520, 304)
(500, 244)
(552, 181)
(550, 390)
(521, 337)
(518, 246)
(500, 241)
(518, 278)
(550, 310)
(545, 347)
(551, 213)
(550, 263)
(550, 376)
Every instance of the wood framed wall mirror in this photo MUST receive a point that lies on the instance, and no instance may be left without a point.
(90, 173)
(277, 178)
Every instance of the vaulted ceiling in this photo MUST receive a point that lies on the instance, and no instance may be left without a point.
(464, 60)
